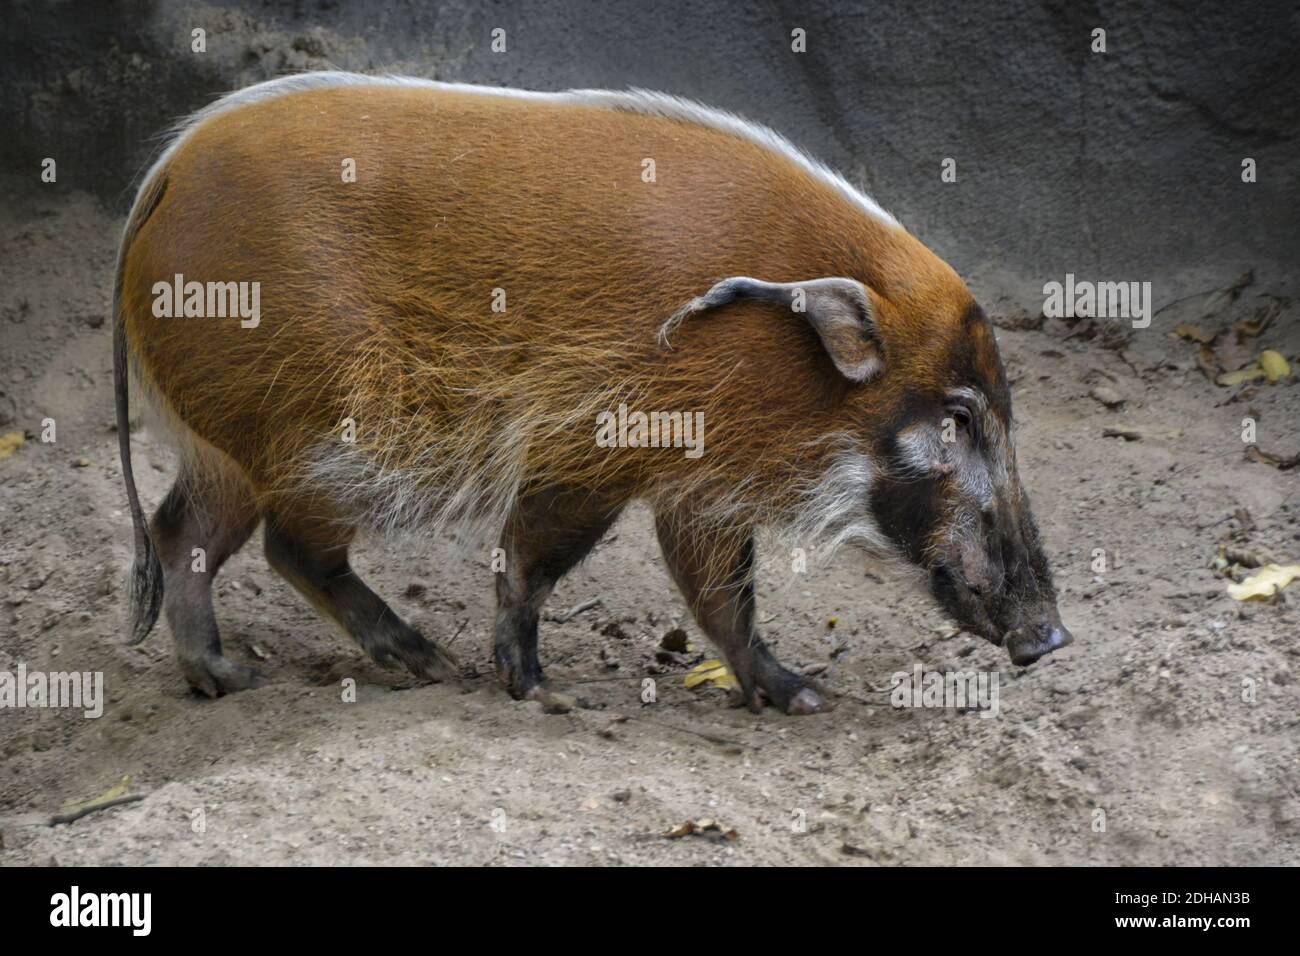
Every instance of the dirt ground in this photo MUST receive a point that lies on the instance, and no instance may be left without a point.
(1142, 718)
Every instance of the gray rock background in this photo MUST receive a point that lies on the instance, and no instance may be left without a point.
(1124, 165)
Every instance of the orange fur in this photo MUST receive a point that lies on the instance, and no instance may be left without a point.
(376, 303)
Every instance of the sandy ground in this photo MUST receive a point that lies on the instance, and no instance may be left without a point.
(1143, 718)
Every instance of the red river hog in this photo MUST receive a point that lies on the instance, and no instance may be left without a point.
(410, 306)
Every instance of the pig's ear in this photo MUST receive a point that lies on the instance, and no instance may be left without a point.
(838, 309)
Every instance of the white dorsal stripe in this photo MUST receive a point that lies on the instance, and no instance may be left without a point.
(633, 101)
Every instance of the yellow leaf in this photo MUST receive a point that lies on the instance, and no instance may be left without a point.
(1265, 582)
(10, 442)
(1245, 375)
(1274, 365)
(711, 672)
(112, 793)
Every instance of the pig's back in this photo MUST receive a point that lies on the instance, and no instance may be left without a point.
(588, 225)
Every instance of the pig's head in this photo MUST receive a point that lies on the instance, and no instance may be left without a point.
(951, 499)
(949, 494)
(926, 405)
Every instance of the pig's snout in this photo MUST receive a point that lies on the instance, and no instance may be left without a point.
(1027, 646)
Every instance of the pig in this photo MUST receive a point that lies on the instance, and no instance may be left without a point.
(403, 306)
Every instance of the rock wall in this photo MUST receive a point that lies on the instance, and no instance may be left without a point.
(1123, 165)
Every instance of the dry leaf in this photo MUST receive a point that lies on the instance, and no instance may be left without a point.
(112, 793)
(1274, 365)
(1255, 453)
(1248, 374)
(1222, 298)
(712, 672)
(1194, 333)
(704, 828)
(1208, 362)
(1246, 557)
(10, 442)
(1258, 322)
(1265, 583)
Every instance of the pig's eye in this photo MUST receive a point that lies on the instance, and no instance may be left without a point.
(962, 417)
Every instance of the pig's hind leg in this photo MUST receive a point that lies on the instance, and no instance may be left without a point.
(204, 519)
(312, 555)
(714, 568)
(544, 538)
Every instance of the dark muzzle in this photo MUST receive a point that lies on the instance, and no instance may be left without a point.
(1027, 646)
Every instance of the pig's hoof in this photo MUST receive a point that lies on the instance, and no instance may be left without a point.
(214, 675)
(519, 682)
(807, 701)
(426, 659)
(791, 694)
(795, 695)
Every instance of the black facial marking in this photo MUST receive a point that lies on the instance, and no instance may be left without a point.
(905, 507)
(906, 511)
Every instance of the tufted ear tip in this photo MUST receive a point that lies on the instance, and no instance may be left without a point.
(838, 309)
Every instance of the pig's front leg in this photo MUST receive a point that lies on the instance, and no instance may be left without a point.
(714, 568)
